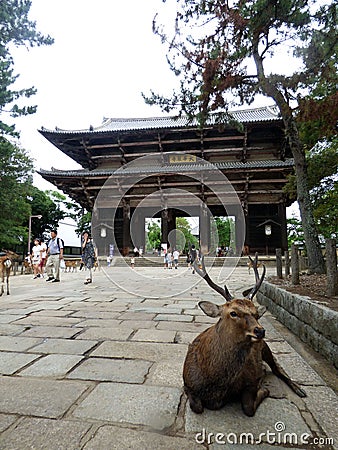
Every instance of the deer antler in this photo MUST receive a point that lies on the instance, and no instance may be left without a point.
(259, 280)
(203, 273)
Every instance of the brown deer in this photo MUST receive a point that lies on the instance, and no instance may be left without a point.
(225, 362)
(6, 261)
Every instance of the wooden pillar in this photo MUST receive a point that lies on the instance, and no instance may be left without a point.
(204, 218)
(126, 229)
(138, 228)
(240, 229)
(168, 224)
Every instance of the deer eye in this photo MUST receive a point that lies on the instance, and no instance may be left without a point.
(233, 314)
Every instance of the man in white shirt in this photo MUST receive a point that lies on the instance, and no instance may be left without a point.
(54, 254)
(176, 255)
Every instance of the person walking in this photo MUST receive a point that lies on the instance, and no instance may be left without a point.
(88, 255)
(54, 255)
(36, 258)
(176, 255)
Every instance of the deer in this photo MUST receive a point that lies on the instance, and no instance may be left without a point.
(6, 257)
(225, 362)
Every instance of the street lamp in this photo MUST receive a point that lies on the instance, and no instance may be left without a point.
(30, 230)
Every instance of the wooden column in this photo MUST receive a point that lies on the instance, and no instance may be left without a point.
(168, 224)
(126, 229)
(204, 217)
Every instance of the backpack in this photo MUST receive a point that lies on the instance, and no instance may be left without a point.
(58, 240)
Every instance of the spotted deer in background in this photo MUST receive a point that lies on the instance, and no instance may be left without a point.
(6, 261)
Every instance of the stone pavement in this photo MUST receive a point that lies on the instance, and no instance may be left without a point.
(98, 367)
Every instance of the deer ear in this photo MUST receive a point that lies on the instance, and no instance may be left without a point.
(210, 309)
(261, 310)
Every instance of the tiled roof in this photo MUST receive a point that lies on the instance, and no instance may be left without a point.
(263, 114)
(171, 168)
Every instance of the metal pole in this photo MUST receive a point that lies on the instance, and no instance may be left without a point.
(29, 235)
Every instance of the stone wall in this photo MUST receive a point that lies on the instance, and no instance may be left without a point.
(314, 323)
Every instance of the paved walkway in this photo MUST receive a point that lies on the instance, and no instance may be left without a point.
(98, 367)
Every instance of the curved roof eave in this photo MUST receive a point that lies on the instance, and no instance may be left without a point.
(110, 125)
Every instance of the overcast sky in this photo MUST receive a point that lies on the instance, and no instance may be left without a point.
(105, 54)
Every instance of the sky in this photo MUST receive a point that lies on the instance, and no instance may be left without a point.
(104, 55)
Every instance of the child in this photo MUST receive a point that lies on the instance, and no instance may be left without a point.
(132, 262)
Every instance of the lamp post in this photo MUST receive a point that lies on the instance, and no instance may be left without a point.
(30, 230)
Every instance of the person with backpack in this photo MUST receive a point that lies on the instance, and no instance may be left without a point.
(54, 256)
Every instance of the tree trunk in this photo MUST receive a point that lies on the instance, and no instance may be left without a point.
(314, 252)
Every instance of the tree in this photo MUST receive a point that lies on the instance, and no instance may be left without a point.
(184, 238)
(153, 236)
(42, 203)
(234, 37)
(224, 230)
(16, 169)
(16, 29)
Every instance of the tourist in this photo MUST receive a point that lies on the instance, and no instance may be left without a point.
(89, 255)
(36, 258)
(176, 255)
(54, 256)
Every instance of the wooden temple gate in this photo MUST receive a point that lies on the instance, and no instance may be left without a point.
(135, 160)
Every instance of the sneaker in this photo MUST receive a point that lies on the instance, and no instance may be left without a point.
(50, 278)
(55, 280)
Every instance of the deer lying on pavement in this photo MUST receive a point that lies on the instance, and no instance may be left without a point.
(225, 362)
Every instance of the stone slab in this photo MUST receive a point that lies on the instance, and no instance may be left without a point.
(271, 415)
(167, 373)
(116, 438)
(182, 326)
(105, 323)
(323, 404)
(49, 321)
(119, 370)
(8, 318)
(6, 421)
(66, 346)
(183, 337)
(298, 369)
(11, 330)
(41, 434)
(56, 366)
(140, 350)
(174, 317)
(17, 343)
(150, 335)
(101, 334)
(153, 406)
(51, 332)
(38, 397)
(10, 362)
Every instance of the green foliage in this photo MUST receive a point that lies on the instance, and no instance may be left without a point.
(42, 203)
(184, 238)
(15, 183)
(295, 232)
(153, 236)
(225, 229)
(16, 29)
(84, 223)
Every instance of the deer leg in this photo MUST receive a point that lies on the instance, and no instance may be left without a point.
(279, 372)
(252, 398)
(195, 402)
(7, 283)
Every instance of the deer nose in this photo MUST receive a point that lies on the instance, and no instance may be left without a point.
(259, 332)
